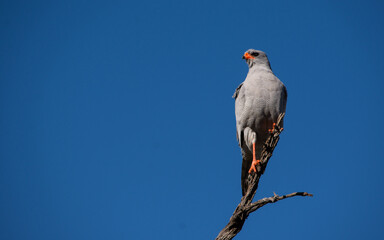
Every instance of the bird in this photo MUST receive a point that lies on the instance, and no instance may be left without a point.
(259, 100)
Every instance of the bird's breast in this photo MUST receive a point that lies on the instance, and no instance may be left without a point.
(260, 109)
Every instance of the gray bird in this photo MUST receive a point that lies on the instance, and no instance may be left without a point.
(258, 102)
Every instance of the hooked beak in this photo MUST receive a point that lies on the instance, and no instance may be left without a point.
(248, 56)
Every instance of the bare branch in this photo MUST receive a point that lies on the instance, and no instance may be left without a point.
(256, 205)
(246, 206)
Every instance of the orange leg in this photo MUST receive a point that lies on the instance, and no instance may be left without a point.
(254, 161)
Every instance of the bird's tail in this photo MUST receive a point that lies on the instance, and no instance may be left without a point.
(247, 161)
(244, 174)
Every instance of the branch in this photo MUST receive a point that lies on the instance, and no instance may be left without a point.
(246, 206)
(256, 205)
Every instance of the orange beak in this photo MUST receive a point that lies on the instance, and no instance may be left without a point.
(248, 56)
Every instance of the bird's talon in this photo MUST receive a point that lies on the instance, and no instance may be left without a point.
(273, 128)
(253, 166)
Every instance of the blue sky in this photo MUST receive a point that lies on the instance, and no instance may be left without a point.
(117, 120)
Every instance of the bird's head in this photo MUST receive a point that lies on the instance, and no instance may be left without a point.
(256, 57)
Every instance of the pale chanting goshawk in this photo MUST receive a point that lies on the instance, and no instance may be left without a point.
(258, 102)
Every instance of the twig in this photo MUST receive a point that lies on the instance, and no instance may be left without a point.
(256, 205)
(246, 206)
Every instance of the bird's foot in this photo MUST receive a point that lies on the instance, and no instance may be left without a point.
(253, 166)
(273, 128)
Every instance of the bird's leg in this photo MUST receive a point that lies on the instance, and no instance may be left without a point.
(254, 161)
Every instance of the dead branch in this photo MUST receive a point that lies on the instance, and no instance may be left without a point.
(246, 206)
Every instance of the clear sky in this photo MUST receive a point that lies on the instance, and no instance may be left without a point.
(117, 122)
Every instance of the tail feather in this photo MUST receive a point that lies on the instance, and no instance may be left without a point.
(247, 161)
(244, 174)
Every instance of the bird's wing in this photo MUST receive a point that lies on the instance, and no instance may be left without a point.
(239, 97)
(284, 98)
(239, 105)
(283, 103)
(237, 91)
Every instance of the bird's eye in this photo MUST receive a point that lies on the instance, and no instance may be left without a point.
(255, 54)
